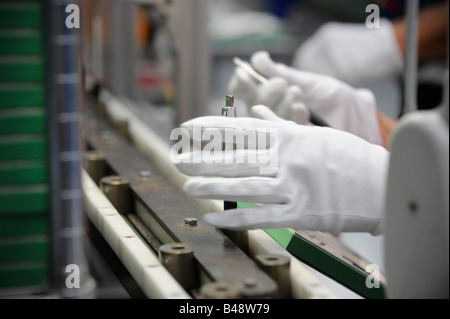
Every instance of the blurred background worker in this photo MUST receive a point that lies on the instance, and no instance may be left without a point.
(360, 54)
(341, 40)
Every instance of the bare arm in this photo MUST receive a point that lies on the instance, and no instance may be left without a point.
(432, 32)
(387, 127)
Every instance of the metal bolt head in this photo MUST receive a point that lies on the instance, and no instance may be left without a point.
(190, 221)
(250, 282)
(107, 137)
(145, 175)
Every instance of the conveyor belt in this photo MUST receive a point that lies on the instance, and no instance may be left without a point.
(213, 251)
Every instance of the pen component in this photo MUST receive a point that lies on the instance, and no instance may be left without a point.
(246, 67)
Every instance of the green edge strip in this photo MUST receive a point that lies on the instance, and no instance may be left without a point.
(326, 263)
(323, 261)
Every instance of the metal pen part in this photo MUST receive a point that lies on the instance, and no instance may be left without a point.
(314, 118)
(248, 68)
(229, 110)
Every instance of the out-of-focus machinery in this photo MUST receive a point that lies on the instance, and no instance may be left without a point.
(41, 216)
(85, 121)
(417, 205)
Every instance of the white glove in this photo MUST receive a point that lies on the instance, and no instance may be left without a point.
(325, 179)
(342, 106)
(282, 99)
(351, 52)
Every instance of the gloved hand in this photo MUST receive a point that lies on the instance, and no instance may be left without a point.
(324, 179)
(342, 106)
(352, 53)
(281, 98)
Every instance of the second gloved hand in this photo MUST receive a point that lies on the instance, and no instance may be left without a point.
(342, 106)
(319, 178)
(281, 98)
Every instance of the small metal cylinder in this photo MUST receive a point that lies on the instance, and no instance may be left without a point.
(178, 259)
(219, 290)
(117, 190)
(101, 108)
(122, 127)
(251, 289)
(95, 165)
(277, 267)
(239, 237)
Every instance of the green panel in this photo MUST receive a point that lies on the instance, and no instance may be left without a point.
(20, 15)
(327, 264)
(22, 121)
(21, 42)
(21, 69)
(323, 261)
(29, 200)
(23, 249)
(283, 237)
(23, 275)
(22, 147)
(22, 95)
(26, 225)
(23, 172)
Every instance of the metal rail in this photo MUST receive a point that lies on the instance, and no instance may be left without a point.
(215, 254)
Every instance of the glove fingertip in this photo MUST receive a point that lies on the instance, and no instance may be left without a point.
(264, 113)
(224, 220)
(214, 219)
(300, 113)
(262, 62)
(242, 85)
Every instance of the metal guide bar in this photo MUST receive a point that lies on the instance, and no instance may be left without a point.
(220, 258)
(331, 245)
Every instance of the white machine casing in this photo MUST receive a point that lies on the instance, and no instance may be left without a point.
(417, 206)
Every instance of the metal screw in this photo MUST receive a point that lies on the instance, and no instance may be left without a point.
(190, 221)
(107, 137)
(144, 175)
(250, 282)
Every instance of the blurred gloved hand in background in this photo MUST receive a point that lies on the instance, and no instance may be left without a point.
(289, 90)
(281, 98)
(325, 179)
(352, 52)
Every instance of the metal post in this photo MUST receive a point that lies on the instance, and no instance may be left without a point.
(411, 59)
(190, 30)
